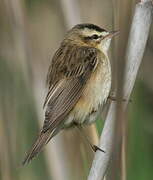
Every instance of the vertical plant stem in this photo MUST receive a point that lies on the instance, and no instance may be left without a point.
(123, 151)
(136, 45)
(71, 12)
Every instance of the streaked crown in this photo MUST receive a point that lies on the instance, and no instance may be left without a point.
(90, 31)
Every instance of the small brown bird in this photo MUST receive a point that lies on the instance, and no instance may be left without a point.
(79, 80)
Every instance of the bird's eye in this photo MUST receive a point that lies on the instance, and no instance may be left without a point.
(95, 36)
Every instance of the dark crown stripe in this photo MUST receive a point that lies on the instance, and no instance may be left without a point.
(89, 26)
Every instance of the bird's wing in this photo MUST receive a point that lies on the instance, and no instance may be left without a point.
(70, 69)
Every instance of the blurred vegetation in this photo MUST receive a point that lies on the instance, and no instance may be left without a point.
(28, 40)
(17, 110)
(140, 144)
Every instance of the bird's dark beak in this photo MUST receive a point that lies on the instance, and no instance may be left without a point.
(112, 34)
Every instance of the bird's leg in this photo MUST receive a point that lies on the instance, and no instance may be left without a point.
(93, 147)
(113, 98)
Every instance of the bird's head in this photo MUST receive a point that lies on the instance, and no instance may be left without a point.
(91, 35)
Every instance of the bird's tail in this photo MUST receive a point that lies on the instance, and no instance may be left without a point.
(37, 147)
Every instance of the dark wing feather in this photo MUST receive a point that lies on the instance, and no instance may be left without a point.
(67, 77)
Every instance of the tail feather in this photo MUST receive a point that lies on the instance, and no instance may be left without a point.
(37, 147)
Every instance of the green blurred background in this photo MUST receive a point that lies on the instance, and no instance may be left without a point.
(30, 32)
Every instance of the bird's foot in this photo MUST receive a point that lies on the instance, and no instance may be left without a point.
(95, 148)
(113, 98)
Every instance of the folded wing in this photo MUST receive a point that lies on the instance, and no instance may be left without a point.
(72, 77)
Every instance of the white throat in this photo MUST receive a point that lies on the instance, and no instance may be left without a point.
(104, 45)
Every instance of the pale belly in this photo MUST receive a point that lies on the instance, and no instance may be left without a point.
(94, 96)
